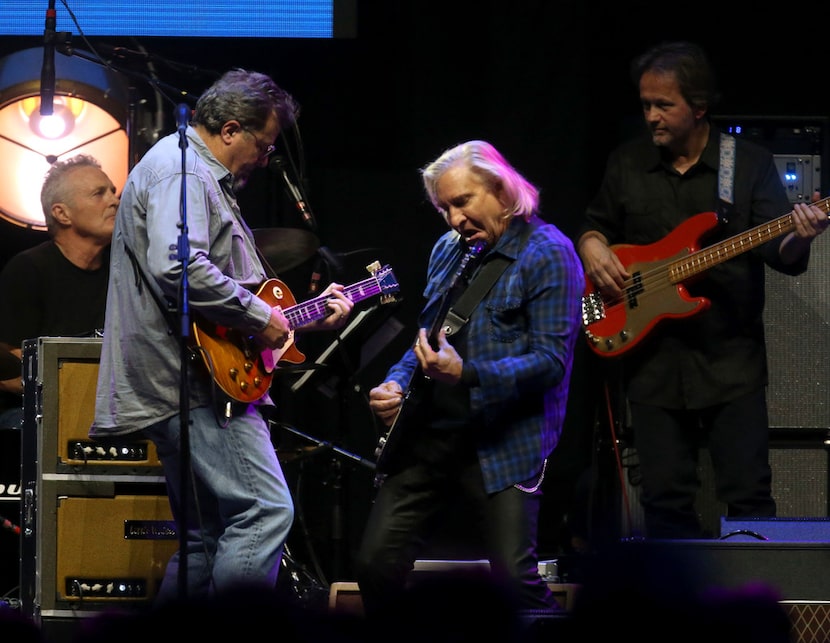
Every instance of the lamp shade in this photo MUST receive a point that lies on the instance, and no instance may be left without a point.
(90, 115)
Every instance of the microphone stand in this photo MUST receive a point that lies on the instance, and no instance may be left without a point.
(47, 72)
(324, 256)
(325, 445)
(182, 117)
(62, 41)
(337, 523)
(63, 44)
(295, 193)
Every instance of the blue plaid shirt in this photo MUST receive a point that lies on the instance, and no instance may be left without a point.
(520, 340)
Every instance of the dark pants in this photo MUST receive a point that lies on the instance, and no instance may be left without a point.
(411, 505)
(668, 443)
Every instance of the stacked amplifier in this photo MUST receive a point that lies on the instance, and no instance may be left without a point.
(95, 519)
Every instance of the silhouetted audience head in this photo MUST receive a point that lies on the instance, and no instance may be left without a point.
(635, 592)
(17, 628)
(451, 606)
(654, 592)
(239, 615)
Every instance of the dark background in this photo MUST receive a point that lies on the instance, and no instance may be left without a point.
(547, 83)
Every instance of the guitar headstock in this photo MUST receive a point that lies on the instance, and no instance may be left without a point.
(386, 280)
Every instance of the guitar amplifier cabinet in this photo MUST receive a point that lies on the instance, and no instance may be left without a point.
(100, 542)
(59, 380)
(97, 530)
(800, 462)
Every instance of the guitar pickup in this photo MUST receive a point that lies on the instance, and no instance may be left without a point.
(636, 288)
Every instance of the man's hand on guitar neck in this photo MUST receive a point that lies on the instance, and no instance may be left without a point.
(809, 221)
(602, 266)
(443, 365)
(278, 331)
(339, 305)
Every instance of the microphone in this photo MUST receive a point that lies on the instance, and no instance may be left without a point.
(182, 119)
(277, 163)
(47, 71)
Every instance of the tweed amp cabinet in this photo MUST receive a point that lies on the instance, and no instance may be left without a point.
(96, 524)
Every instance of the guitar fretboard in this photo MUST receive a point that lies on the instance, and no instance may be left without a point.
(717, 253)
(314, 309)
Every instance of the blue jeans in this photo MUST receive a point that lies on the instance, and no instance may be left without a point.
(239, 507)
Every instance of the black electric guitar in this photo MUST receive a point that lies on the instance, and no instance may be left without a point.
(656, 289)
(242, 368)
(388, 450)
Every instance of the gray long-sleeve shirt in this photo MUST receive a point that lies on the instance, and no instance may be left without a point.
(139, 379)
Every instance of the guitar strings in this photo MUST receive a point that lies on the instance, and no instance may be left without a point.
(673, 272)
(316, 307)
(782, 224)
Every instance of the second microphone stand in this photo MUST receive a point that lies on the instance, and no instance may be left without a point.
(320, 448)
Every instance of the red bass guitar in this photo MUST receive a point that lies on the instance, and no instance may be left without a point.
(656, 289)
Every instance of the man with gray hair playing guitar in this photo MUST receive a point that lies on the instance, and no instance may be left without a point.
(491, 377)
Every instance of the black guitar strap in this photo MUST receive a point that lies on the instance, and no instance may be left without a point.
(167, 308)
(459, 313)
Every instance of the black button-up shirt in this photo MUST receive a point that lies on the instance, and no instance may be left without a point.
(718, 354)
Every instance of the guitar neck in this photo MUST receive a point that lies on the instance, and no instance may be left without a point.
(706, 258)
(315, 309)
(465, 267)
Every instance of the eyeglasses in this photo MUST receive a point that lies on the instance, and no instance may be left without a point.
(263, 148)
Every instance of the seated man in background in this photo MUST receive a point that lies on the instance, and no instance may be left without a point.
(58, 287)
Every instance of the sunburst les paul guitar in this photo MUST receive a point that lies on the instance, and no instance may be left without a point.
(238, 363)
(656, 289)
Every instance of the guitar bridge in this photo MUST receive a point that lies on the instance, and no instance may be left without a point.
(593, 309)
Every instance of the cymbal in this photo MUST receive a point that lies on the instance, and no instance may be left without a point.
(286, 248)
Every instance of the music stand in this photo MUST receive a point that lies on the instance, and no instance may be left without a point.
(369, 331)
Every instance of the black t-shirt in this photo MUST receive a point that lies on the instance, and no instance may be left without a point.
(43, 294)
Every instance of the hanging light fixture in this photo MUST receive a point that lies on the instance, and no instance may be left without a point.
(90, 115)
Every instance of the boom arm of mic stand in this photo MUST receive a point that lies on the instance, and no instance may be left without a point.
(65, 47)
(356, 458)
(324, 445)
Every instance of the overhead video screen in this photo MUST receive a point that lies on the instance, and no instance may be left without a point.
(205, 19)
